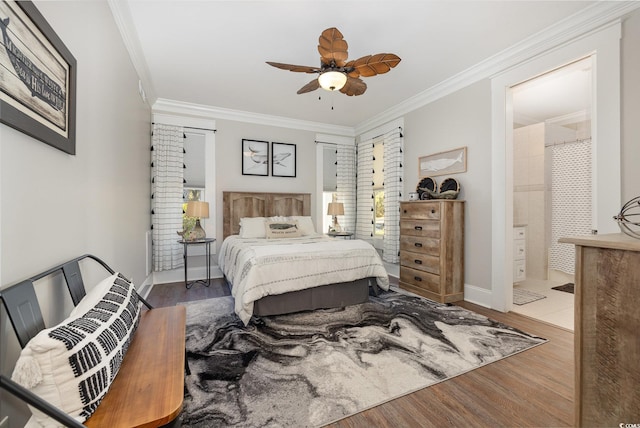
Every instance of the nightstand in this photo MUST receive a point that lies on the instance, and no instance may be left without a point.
(207, 242)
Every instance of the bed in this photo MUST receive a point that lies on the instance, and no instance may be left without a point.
(290, 274)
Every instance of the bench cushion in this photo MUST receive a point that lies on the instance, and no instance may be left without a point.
(72, 364)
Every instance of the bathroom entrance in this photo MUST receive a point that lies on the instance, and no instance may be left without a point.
(552, 188)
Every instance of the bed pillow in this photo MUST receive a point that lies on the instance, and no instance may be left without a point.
(252, 227)
(73, 364)
(305, 224)
(282, 229)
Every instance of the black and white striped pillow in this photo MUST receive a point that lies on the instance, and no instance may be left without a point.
(73, 364)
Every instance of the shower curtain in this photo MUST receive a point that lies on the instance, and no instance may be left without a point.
(571, 205)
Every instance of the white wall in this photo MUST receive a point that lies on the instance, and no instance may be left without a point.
(229, 135)
(460, 119)
(55, 206)
(630, 100)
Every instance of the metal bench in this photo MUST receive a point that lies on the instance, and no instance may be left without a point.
(149, 387)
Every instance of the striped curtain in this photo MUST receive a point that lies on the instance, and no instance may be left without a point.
(167, 179)
(393, 172)
(364, 196)
(346, 184)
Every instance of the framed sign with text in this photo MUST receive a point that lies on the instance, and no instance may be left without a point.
(37, 77)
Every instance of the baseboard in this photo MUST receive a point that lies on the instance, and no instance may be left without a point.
(177, 275)
(477, 295)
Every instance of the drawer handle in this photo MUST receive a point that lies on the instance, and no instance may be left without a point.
(418, 262)
(433, 211)
(417, 278)
(418, 227)
(417, 244)
(405, 211)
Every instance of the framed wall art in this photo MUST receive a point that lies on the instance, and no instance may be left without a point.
(37, 77)
(255, 157)
(283, 160)
(449, 162)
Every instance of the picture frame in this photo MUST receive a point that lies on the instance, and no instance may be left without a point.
(443, 163)
(283, 159)
(37, 77)
(255, 157)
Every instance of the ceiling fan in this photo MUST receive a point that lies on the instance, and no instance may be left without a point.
(335, 73)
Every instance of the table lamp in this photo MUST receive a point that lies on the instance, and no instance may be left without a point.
(335, 209)
(199, 210)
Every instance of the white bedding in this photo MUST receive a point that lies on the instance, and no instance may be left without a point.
(256, 268)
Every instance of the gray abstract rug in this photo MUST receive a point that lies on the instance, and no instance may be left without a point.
(312, 368)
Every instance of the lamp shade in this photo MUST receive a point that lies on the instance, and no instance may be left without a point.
(332, 80)
(335, 208)
(198, 209)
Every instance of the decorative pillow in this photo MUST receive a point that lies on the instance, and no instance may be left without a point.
(305, 224)
(73, 364)
(93, 296)
(283, 229)
(252, 227)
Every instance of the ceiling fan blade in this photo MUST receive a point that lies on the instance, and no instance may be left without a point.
(297, 68)
(372, 65)
(354, 86)
(332, 47)
(311, 86)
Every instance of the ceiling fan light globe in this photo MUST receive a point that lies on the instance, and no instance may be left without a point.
(332, 80)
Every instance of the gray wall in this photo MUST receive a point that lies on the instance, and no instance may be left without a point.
(460, 119)
(229, 135)
(55, 206)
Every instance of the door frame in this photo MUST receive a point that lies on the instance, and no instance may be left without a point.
(603, 46)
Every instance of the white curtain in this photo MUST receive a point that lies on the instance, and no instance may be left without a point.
(571, 207)
(167, 178)
(365, 196)
(346, 184)
(393, 172)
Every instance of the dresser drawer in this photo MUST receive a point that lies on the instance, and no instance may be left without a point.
(420, 227)
(420, 279)
(428, 210)
(420, 262)
(418, 244)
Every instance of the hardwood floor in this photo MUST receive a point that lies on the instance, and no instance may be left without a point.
(531, 389)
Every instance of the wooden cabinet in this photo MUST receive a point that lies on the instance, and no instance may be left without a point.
(432, 249)
(607, 326)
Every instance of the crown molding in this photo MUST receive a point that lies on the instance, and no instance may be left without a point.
(122, 17)
(198, 110)
(587, 21)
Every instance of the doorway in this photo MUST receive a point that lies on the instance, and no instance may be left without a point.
(552, 191)
(603, 47)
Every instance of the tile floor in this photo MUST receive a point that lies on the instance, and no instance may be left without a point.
(556, 309)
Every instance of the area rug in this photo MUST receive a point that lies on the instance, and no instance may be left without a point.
(567, 288)
(313, 368)
(522, 297)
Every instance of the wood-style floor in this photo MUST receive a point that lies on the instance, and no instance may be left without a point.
(531, 389)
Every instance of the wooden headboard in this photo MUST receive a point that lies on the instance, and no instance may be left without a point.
(236, 205)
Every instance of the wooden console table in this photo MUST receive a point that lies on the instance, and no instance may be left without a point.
(607, 330)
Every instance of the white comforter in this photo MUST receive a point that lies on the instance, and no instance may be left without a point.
(256, 268)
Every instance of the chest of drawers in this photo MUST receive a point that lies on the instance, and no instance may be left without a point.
(432, 249)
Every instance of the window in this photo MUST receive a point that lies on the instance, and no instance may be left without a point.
(378, 189)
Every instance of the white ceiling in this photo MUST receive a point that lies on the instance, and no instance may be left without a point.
(213, 53)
